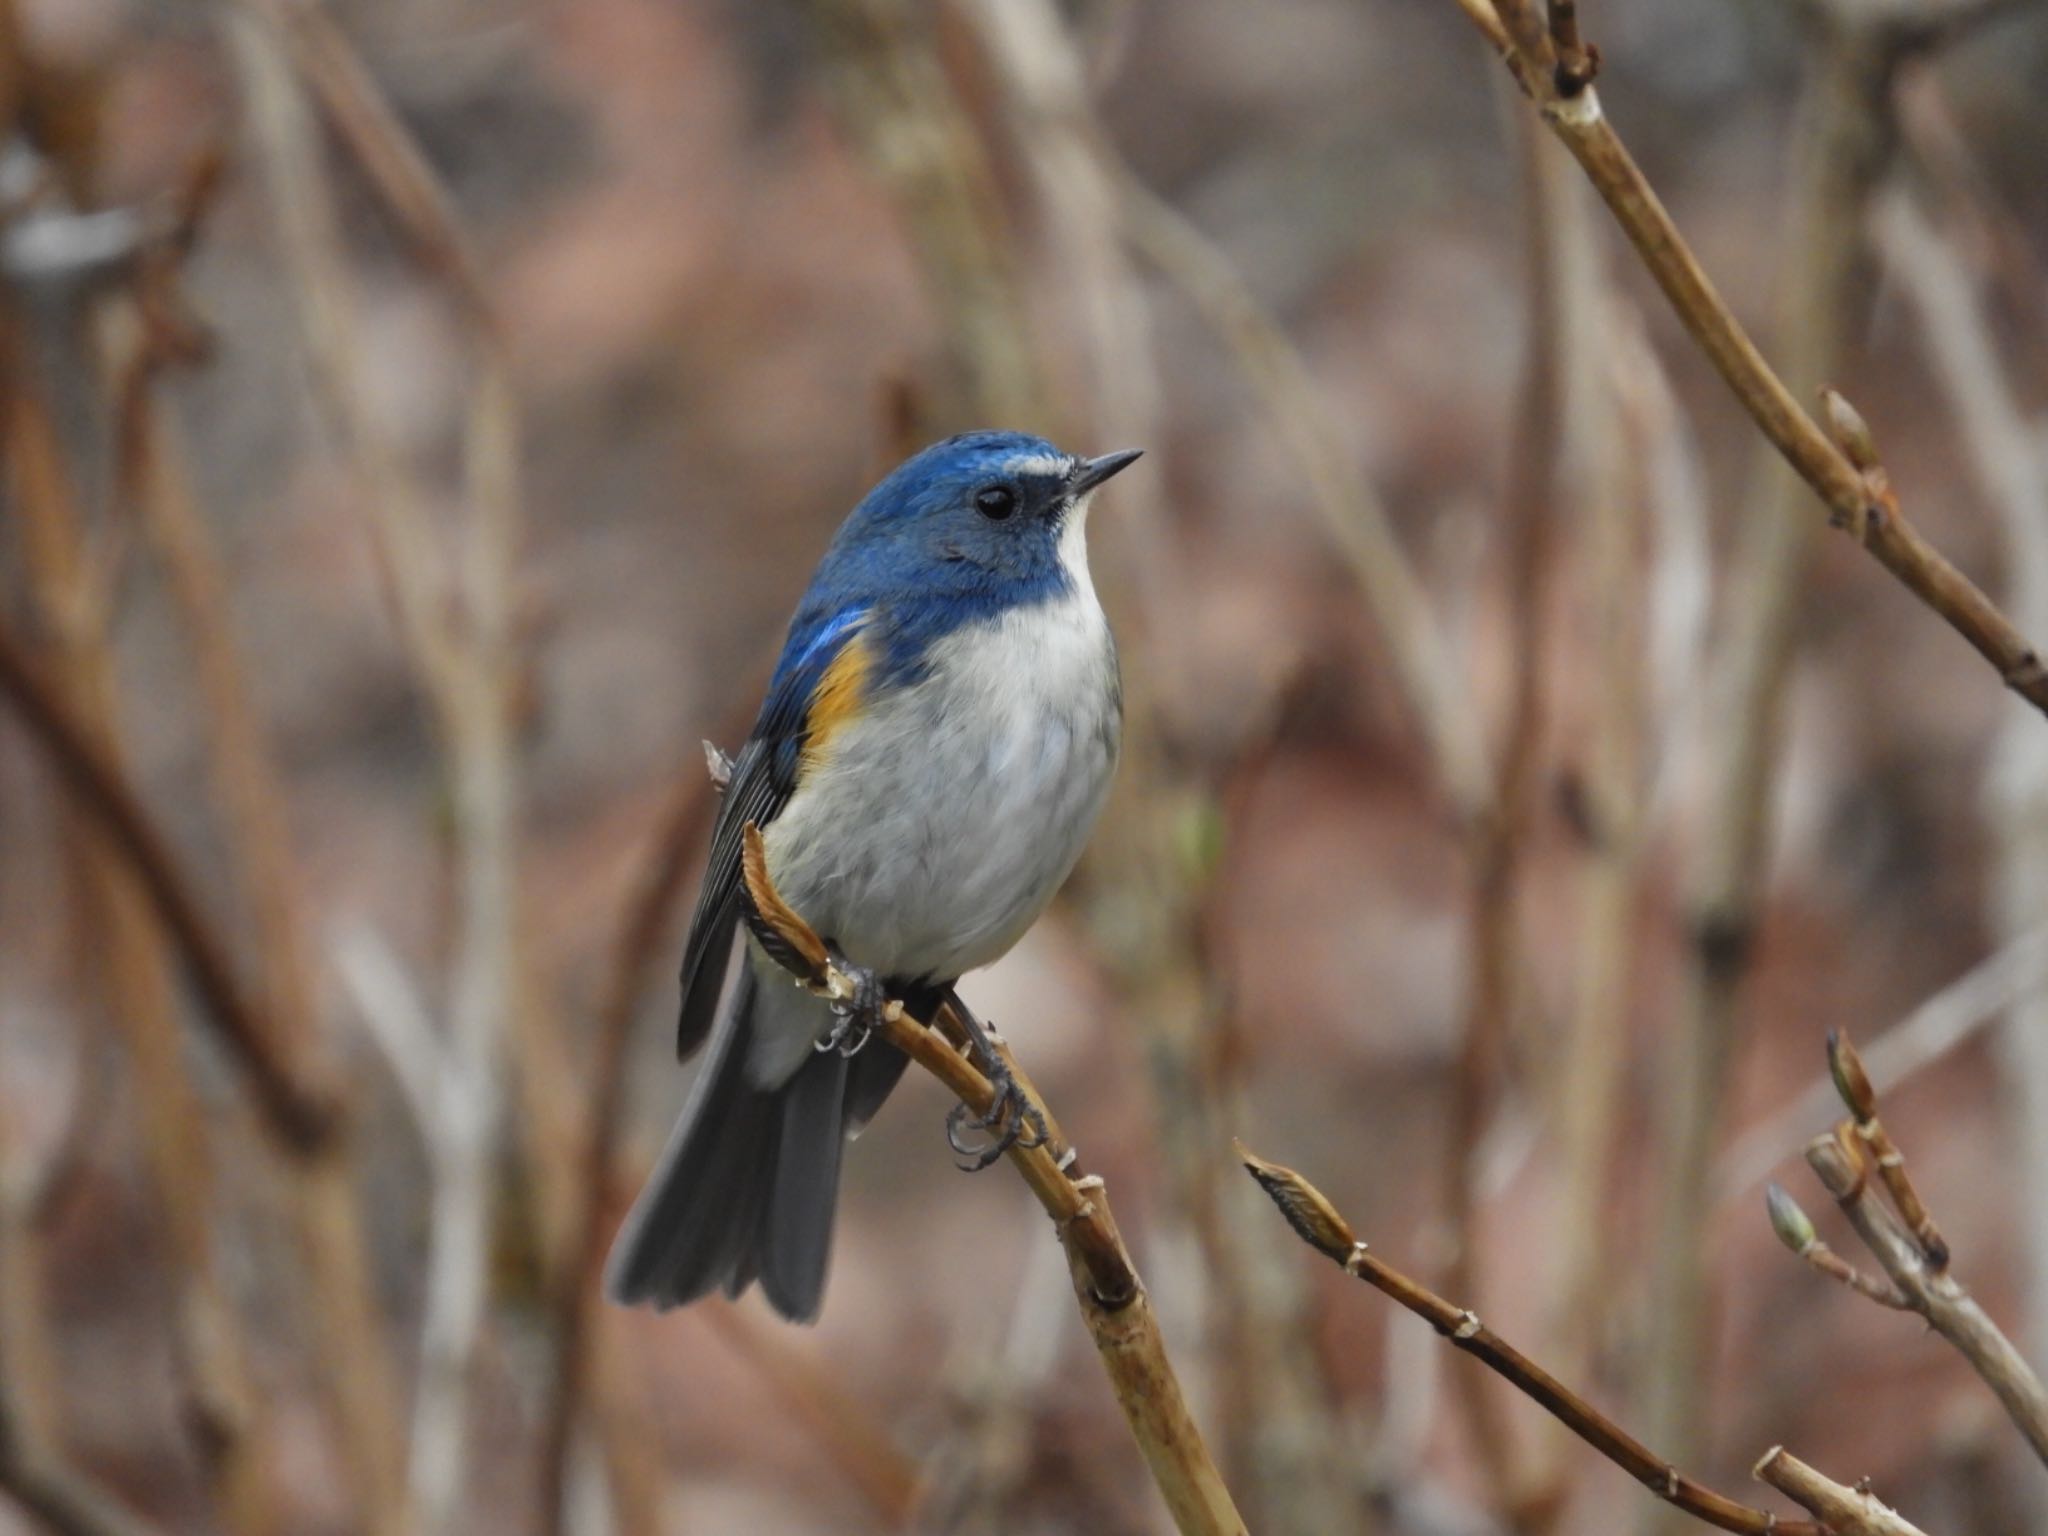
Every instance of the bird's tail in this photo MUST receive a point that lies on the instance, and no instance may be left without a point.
(746, 1188)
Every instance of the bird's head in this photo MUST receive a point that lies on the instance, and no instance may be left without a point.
(999, 513)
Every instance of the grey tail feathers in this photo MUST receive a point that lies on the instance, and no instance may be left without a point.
(747, 1185)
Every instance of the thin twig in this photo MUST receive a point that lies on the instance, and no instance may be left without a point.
(1933, 1293)
(1316, 1222)
(1853, 1083)
(1855, 505)
(1850, 1511)
(1111, 1296)
(1795, 1231)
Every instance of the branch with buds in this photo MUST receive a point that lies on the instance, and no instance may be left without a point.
(1902, 1236)
(1316, 1222)
(1555, 70)
(1111, 1296)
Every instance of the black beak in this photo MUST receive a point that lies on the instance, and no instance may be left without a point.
(1090, 473)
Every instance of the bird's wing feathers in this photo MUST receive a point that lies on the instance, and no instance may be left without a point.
(819, 686)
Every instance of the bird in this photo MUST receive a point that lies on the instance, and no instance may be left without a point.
(936, 744)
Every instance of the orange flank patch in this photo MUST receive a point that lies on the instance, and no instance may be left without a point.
(838, 699)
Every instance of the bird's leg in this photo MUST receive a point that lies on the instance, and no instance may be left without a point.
(1011, 1119)
(857, 1016)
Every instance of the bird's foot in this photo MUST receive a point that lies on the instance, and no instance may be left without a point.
(856, 1016)
(1011, 1120)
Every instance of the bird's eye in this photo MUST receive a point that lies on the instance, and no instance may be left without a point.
(995, 502)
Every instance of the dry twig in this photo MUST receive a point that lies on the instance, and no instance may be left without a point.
(1849, 1511)
(1316, 1222)
(1913, 1256)
(1857, 502)
(1111, 1296)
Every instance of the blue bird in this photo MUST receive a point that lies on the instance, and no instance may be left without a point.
(936, 744)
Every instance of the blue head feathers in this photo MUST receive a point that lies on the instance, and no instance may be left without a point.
(965, 529)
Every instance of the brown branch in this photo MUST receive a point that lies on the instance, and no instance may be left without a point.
(1874, 520)
(1853, 1083)
(1849, 1511)
(1934, 1293)
(1112, 1298)
(1316, 1222)
(302, 1114)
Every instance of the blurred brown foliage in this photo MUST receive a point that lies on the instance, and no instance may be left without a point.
(419, 417)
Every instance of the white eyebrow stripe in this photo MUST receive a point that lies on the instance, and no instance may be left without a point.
(1038, 464)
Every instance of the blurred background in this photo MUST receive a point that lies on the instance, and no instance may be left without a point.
(419, 418)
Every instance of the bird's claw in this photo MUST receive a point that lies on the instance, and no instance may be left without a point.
(855, 1017)
(1011, 1120)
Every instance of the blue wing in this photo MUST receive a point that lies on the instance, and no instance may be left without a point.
(764, 776)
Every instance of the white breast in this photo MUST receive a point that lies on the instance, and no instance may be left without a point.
(941, 822)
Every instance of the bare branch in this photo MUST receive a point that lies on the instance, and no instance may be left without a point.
(1316, 1222)
(1112, 1298)
(1855, 504)
(1853, 1083)
(1933, 1293)
(1849, 1511)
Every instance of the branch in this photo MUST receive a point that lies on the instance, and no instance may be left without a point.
(302, 1114)
(1850, 1511)
(1111, 1296)
(1316, 1222)
(1857, 499)
(1932, 1292)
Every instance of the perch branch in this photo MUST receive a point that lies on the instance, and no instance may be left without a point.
(1112, 1298)
(1857, 498)
(1316, 1222)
